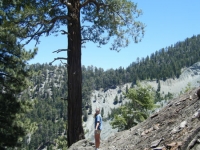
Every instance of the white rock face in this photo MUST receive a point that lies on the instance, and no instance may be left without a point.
(109, 96)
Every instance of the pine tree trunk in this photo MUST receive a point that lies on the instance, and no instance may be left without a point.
(75, 129)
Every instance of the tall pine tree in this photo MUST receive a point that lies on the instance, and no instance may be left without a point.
(85, 20)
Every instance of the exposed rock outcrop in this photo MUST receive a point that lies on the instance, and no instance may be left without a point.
(175, 126)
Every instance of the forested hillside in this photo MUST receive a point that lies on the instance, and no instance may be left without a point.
(163, 64)
(49, 92)
(49, 88)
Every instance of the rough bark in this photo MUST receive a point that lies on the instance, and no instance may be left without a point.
(75, 129)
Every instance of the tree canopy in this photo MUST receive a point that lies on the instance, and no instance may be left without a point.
(111, 18)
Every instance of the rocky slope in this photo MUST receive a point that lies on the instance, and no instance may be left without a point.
(167, 121)
(175, 126)
(175, 86)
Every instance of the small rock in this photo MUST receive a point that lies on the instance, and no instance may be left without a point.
(159, 148)
(198, 140)
(91, 143)
(183, 124)
(154, 115)
(170, 104)
(155, 143)
(178, 103)
(179, 143)
(174, 145)
(171, 144)
(148, 130)
(175, 130)
(156, 126)
(83, 145)
(196, 114)
(143, 133)
(136, 133)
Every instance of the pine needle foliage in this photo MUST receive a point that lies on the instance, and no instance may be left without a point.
(13, 80)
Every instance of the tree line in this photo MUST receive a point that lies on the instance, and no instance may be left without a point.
(160, 65)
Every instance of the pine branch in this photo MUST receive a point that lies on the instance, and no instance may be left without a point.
(36, 35)
(57, 18)
(12, 78)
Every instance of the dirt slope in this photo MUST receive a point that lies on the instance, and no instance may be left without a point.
(176, 126)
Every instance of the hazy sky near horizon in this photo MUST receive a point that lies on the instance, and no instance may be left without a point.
(167, 22)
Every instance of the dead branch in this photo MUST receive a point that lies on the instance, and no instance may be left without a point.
(64, 32)
(60, 50)
(58, 58)
(63, 63)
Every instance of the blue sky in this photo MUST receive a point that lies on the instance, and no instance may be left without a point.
(167, 22)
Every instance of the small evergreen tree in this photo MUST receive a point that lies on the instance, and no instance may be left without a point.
(109, 115)
(116, 99)
(85, 115)
(141, 100)
(188, 87)
(126, 89)
(95, 98)
(90, 109)
(121, 98)
(159, 86)
(102, 112)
